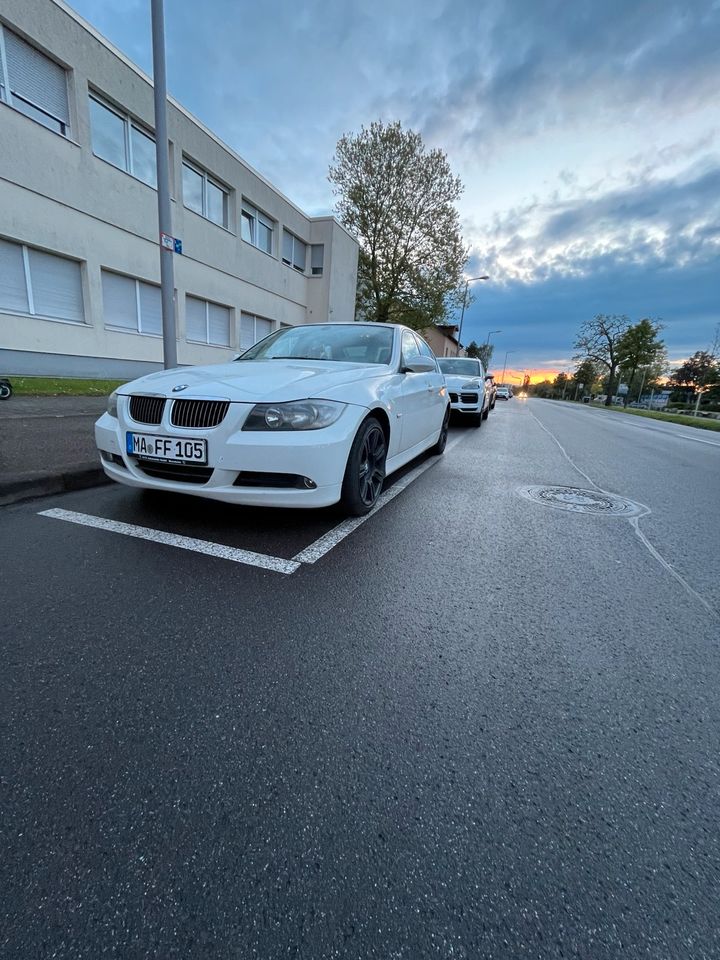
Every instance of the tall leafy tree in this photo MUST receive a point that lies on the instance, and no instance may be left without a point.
(640, 347)
(599, 340)
(587, 375)
(700, 372)
(398, 198)
(483, 351)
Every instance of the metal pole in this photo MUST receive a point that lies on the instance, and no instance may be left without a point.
(167, 278)
(462, 316)
(507, 352)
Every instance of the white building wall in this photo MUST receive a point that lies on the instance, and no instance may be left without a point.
(55, 194)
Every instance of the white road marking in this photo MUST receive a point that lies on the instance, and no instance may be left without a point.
(218, 550)
(310, 554)
(332, 538)
(635, 523)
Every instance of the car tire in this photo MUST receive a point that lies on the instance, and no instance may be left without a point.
(476, 420)
(365, 470)
(438, 448)
(486, 412)
(492, 405)
(5, 390)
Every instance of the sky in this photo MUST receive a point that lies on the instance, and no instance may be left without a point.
(586, 134)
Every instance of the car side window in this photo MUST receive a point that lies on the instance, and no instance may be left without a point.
(425, 348)
(410, 348)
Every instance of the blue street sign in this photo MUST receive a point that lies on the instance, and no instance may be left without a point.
(178, 245)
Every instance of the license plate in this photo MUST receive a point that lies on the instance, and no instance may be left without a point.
(170, 449)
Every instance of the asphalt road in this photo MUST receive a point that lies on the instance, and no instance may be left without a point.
(476, 727)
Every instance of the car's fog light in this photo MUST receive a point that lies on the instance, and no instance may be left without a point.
(310, 484)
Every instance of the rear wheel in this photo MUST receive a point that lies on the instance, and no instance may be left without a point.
(5, 390)
(365, 470)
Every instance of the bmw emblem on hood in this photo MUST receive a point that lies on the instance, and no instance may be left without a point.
(179, 387)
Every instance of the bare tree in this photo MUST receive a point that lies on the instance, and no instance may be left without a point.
(599, 340)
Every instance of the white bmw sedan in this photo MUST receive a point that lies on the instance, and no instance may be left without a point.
(465, 378)
(310, 416)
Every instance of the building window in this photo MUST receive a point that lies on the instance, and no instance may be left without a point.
(252, 329)
(33, 83)
(131, 304)
(207, 322)
(294, 252)
(40, 284)
(317, 256)
(203, 195)
(120, 141)
(256, 228)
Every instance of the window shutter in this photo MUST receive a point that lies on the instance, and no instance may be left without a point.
(287, 249)
(263, 328)
(247, 331)
(150, 309)
(119, 302)
(195, 319)
(56, 286)
(13, 292)
(219, 325)
(317, 253)
(36, 78)
(299, 255)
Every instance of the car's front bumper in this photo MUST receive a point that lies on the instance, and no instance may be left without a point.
(466, 401)
(318, 455)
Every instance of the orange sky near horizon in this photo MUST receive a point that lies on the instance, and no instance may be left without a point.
(515, 377)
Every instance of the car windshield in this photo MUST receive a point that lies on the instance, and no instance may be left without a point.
(346, 342)
(462, 366)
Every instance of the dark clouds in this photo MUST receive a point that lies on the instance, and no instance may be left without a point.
(629, 224)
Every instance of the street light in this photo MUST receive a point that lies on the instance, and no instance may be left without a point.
(507, 354)
(487, 341)
(462, 315)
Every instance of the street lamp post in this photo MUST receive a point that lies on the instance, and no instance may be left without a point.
(507, 354)
(462, 315)
(490, 333)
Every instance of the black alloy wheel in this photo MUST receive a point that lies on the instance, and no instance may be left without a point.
(5, 390)
(439, 447)
(365, 471)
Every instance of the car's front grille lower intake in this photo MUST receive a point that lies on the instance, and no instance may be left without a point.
(147, 409)
(198, 414)
(468, 398)
(179, 472)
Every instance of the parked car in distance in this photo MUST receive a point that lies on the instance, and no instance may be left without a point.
(491, 389)
(309, 416)
(503, 393)
(465, 379)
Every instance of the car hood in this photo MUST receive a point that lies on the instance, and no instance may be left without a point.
(252, 381)
(454, 380)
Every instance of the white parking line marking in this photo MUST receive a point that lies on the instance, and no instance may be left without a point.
(175, 540)
(332, 538)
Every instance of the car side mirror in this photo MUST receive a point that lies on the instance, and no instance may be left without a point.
(419, 365)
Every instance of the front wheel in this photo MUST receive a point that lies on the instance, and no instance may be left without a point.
(365, 470)
(5, 390)
(439, 446)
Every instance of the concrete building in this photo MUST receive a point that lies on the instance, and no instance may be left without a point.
(79, 252)
(442, 339)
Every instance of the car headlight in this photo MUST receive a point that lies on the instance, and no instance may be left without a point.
(470, 386)
(298, 415)
(112, 404)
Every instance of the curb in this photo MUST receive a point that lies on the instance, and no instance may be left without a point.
(45, 484)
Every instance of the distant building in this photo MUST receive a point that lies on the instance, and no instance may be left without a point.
(79, 258)
(442, 340)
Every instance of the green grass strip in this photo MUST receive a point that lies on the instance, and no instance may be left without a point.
(702, 423)
(62, 387)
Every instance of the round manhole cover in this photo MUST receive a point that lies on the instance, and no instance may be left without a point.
(577, 500)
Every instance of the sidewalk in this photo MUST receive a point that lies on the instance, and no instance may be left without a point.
(47, 446)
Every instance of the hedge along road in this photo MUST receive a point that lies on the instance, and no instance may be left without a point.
(477, 726)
